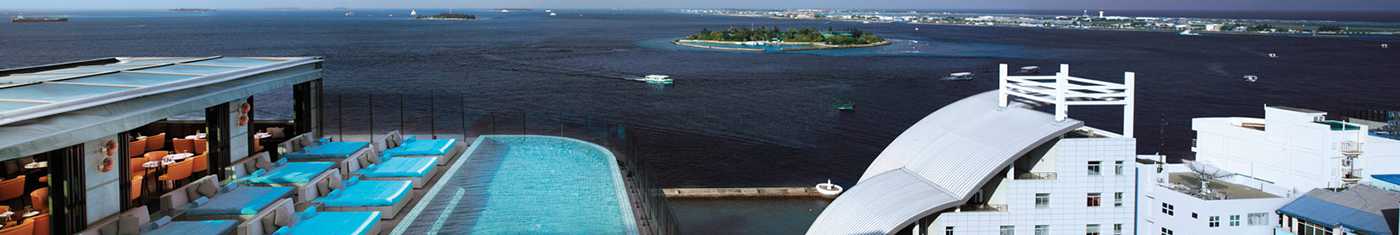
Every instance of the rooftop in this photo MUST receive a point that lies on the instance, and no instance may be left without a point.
(1361, 207)
(1189, 183)
(37, 91)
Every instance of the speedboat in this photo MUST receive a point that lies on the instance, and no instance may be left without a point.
(656, 79)
(1188, 33)
(1251, 78)
(828, 189)
(552, 14)
(1030, 70)
(413, 12)
(959, 76)
(1272, 55)
(1385, 45)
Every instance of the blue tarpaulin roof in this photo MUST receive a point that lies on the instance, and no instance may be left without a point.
(1394, 179)
(1355, 208)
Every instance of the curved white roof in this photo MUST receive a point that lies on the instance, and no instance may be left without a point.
(938, 164)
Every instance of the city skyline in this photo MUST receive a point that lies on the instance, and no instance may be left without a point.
(1235, 5)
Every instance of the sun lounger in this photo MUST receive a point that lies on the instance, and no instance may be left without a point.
(345, 154)
(397, 145)
(204, 199)
(258, 170)
(419, 170)
(384, 196)
(334, 223)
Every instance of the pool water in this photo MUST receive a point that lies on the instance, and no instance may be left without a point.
(746, 216)
(514, 184)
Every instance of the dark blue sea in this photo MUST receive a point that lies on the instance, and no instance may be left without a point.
(731, 119)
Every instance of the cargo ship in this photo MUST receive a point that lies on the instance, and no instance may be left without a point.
(22, 19)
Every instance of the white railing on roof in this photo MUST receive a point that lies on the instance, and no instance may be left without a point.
(1063, 90)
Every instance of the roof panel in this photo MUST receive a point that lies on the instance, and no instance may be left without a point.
(237, 62)
(7, 106)
(190, 69)
(55, 92)
(129, 78)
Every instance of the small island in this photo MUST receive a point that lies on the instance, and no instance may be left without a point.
(448, 16)
(774, 39)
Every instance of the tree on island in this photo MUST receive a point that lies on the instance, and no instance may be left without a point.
(849, 37)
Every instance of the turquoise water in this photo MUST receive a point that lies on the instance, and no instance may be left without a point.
(539, 184)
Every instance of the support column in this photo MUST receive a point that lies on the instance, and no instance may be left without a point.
(217, 126)
(1001, 86)
(68, 193)
(1129, 81)
(307, 105)
(1061, 83)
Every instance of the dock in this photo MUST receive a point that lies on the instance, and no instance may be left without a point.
(750, 192)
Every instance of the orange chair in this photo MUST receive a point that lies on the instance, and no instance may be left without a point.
(12, 188)
(136, 183)
(155, 142)
(177, 171)
(201, 163)
(26, 228)
(183, 145)
(136, 148)
(41, 223)
(156, 156)
(201, 146)
(40, 199)
(136, 166)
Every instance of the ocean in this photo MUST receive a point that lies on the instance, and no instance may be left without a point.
(732, 118)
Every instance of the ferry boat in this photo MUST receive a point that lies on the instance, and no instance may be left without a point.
(656, 79)
(1188, 33)
(22, 19)
(959, 76)
(448, 16)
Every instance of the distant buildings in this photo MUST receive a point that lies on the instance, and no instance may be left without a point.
(1360, 209)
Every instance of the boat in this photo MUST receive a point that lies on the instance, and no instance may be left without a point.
(349, 13)
(1030, 70)
(1188, 33)
(1385, 45)
(46, 19)
(844, 106)
(1251, 78)
(959, 76)
(192, 10)
(549, 10)
(552, 14)
(656, 79)
(413, 12)
(1272, 55)
(829, 190)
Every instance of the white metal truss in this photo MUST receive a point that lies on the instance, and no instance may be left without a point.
(1063, 90)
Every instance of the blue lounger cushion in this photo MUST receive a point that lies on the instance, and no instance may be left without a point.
(368, 193)
(327, 150)
(290, 173)
(334, 223)
(401, 167)
(244, 201)
(413, 146)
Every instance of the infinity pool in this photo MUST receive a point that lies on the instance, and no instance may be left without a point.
(513, 184)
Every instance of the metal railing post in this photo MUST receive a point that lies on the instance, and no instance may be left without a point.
(340, 115)
(432, 113)
(371, 116)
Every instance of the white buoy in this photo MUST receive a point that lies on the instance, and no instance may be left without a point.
(828, 189)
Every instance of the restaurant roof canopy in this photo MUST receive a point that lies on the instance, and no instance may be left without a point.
(52, 106)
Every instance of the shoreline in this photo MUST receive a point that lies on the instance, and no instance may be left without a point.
(811, 45)
(1276, 34)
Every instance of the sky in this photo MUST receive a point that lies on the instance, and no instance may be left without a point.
(1228, 5)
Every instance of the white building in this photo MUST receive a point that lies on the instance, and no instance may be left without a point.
(992, 164)
(1296, 149)
(1171, 201)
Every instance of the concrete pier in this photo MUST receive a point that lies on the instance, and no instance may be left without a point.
(751, 192)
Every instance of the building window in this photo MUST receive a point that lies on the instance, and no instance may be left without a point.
(1042, 230)
(1094, 199)
(1193, 215)
(1117, 229)
(1234, 220)
(948, 230)
(1092, 229)
(1094, 167)
(1118, 199)
(1118, 167)
(1168, 209)
(1042, 200)
(1258, 218)
(1305, 228)
(1214, 221)
(1166, 231)
(1008, 230)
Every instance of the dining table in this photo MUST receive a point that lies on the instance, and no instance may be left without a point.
(158, 168)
